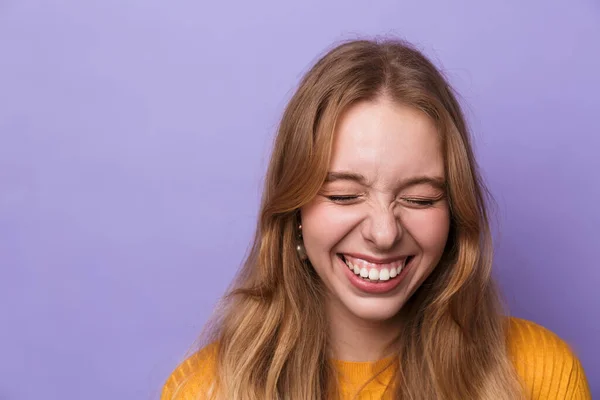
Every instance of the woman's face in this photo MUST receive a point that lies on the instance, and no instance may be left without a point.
(380, 223)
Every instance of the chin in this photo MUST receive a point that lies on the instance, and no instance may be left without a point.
(373, 309)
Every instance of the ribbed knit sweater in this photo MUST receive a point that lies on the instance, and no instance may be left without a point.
(548, 369)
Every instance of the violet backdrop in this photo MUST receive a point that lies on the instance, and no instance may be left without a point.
(134, 135)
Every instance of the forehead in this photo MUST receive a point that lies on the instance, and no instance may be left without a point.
(386, 141)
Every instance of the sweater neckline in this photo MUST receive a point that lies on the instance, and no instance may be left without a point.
(366, 366)
(354, 374)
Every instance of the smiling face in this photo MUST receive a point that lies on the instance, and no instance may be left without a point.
(379, 225)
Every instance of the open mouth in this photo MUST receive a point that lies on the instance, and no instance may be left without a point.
(372, 272)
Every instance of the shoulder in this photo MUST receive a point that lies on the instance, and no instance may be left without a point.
(192, 378)
(548, 367)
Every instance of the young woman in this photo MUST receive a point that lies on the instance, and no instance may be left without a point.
(370, 274)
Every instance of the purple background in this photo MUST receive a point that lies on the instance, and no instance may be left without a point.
(134, 135)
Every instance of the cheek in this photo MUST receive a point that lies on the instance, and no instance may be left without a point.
(319, 229)
(323, 227)
(430, 229)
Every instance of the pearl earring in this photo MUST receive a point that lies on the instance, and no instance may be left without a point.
(300, 247)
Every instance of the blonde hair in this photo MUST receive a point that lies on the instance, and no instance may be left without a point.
(271, 329)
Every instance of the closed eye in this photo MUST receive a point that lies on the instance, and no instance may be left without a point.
(421, 202)
(342, 199)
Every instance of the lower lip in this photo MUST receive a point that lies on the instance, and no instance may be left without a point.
(374, 287)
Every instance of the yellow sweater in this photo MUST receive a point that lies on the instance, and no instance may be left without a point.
(547, 367)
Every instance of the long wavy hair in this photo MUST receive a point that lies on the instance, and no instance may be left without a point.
(271, 329)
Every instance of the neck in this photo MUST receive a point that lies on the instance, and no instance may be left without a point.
(359, 340)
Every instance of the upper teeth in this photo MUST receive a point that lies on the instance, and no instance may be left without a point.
(375, 272)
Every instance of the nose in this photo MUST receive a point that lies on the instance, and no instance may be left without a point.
(382, 229)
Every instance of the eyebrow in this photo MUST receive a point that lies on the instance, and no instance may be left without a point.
(346, 176)
(435, 181)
